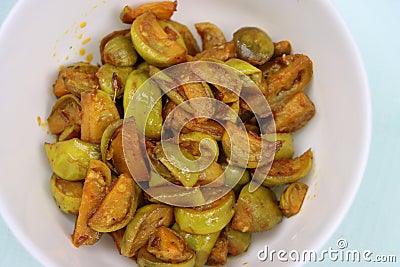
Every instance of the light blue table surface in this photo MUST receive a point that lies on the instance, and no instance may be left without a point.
(373, 220)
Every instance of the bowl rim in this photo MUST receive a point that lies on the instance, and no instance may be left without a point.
(332, 226)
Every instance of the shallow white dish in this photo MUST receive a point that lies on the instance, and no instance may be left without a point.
(35, 41)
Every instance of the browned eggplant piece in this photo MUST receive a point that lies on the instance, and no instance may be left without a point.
(146, 259)
(253, 45)
(294, 114)
(167, 245)
(208, 218)
(190, 42)
(110, 216)
(219, 252)
(181, 117)
(225, 95)
(143, 225)
(69, 159)
(198, 143)
(76, 78)
(66, 112)
(285, 77)
(97, 181)
(67, 194)
(117, 237)
(162, 10)
(285, 171)
(109, 37)
(282, 48)
(111, 148)
(117, 153)
(238, 241)
(201, 244)
(292, 198)
(211, 35)
(256, 211)
(222, 52)
(98, 111)
(286, 151)
(205, 107)
(119, 52)
(71, 132)
(112, 79)
(153, 44)
(234, 143)
(213, 175)
(175, 195)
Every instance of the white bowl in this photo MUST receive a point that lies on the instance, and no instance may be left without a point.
(39, 36)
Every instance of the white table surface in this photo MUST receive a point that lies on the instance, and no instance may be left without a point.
(373, 220)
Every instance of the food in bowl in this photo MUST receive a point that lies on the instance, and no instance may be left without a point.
(176, 181)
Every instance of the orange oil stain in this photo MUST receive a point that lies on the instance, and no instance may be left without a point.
(89, 58)
(40, 122)
(87, 40)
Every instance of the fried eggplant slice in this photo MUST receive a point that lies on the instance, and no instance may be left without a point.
(66, 112)
(202, 244)
(238, 241)
(222, 52)
(286, 151)
(98, 112)
(219, 253)
(67, 194)
(119, 52)
(97, 181)
(256, 211)
(206, 219)
(284, 77)
(285, 171)
(110, 36)
(118, 206)
(69, 159)
(238, 138)
(282, 48)
(153, 43)
(75, 79)
(143, 225)
(294, 114)
(162, 10)
(190, 42)
(292, 198)
(211, 35)
(167, 245)
(146, 259)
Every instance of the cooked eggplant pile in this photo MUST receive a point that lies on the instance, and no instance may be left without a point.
(91, 174)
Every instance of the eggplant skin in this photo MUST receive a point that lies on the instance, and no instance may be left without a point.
(257, 211)
(295, 114)
(219, 252)
(153, 44)
(286, 171)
